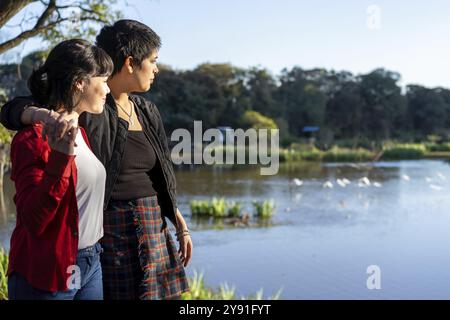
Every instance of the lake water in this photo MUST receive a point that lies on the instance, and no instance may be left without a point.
(321, 240)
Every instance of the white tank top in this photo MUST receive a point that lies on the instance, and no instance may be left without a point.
(90, 193)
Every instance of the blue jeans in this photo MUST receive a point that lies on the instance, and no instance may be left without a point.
(90, 286)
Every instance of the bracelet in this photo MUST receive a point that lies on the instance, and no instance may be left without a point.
(182, 234)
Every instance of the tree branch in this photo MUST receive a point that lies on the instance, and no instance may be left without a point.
(9, 8)
(38, 28)
(27, 34)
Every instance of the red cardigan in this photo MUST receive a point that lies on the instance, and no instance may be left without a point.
(45, 241)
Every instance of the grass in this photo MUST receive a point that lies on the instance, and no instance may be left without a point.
(265, 209)
(3, 277)
(404, 151)
(335, 154)
(234, 209)
(390, 151)
(219, 208)
(198, 291)
(434, 147)
(209, 208)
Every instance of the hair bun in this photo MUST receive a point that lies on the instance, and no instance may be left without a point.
(39, 85)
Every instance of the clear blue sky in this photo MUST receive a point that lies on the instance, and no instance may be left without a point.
(413, 38)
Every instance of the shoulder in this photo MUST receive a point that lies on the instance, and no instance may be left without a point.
(143, 103)
(28, 142)
(30, 133)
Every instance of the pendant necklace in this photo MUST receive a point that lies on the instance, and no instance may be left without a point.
(129, 115)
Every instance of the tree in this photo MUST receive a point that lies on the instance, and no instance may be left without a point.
(255, 120)
(57, 19)
(5, 144)
(302, 100)
(261, 92)
(427, 109)
(384, 103)
(344, 112)
(14, 77)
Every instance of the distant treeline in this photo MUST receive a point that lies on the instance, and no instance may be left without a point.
(347, 107)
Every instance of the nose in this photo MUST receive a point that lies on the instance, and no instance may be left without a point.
(156, 71)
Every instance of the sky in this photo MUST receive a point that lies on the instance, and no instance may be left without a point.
(412, 38)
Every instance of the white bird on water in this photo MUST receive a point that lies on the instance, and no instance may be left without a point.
(328, 184)
(346, 181)
(297, 182)
(377, 185)
(341, 183)
(406, 177)
(435, 187)
(364, 182)
(441, 176)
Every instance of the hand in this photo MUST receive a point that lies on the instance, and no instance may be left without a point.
(185, 250)
(184, 238)
(56, 126)
(65, 144)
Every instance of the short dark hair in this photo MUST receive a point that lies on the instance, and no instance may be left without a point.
(68, 62)
(128, 38)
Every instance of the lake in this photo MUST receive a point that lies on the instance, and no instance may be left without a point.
(321, 240)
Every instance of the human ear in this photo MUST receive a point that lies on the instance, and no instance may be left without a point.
(79, 86)
(129, 64)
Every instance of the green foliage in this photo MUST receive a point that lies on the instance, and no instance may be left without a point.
(198, 291)
(234, 209)
(209, 208)
(404, 151)
(217, 208)
(82, 20)
(4, 260)
(438, 147)
(255, 120)
(265, 209)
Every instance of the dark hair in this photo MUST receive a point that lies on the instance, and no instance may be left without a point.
(128, 38)
(70, 61)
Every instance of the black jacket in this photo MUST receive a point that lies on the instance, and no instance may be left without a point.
(108, 134)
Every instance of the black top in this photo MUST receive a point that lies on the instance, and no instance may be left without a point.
(135, 178)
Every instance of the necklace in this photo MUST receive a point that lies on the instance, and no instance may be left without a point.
(129, 115)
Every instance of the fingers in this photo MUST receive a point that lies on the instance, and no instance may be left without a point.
(73, 124)
(48, 129)
(62, 126)
(188, 253)
(185, 250)
(57, 127)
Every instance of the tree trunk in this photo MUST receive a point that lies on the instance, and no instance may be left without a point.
(9, 8)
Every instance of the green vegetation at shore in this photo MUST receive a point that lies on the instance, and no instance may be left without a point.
(220, 208)
(198, 291)
(389, 151)
(3, 278)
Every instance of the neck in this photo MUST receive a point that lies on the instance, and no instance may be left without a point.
(118, 92)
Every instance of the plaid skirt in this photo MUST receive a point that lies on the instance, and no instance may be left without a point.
(140, 259)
